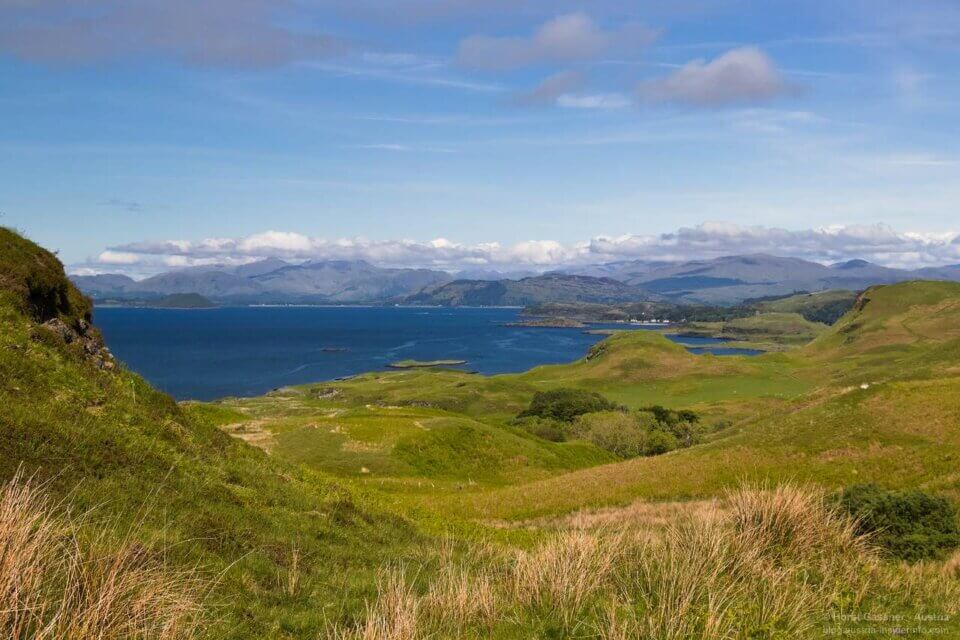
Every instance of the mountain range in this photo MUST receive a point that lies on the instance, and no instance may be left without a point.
(733, 279)
(721, 281)
(271, 281)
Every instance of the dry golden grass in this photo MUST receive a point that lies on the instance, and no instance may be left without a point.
(58, 580)
(951, 568)
(459, 598)
(394, 616)
(775, 562)
(564, 575)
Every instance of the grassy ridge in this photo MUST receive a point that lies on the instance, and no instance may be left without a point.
(771, 331)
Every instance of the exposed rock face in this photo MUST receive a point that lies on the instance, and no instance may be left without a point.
(85, 338)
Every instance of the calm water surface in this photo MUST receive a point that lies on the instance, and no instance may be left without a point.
(205, 354)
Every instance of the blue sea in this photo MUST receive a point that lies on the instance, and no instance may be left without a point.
(204, 354)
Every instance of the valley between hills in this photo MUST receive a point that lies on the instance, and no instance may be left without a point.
(639, 492)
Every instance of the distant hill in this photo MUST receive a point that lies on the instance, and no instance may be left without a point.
(552, 287)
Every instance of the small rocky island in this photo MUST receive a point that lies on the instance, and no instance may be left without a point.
(548, 323)
(424, 364)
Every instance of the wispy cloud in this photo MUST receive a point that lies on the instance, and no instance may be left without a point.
(418, 76)
(403, 148)
(550, 88)
(130, 206)
(602, 101)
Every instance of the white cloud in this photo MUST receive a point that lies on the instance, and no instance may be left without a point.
(118, 257)
(742, 75)
(877, 243)
(565, 39)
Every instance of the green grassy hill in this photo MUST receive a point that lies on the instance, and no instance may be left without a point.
(400, 444)
(823, 306)
(103, 439)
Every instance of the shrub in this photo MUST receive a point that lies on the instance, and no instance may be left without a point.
(659, 442)
(622, 434)
(545, 428)
(567, 404)
(910, 525)
(683, 425)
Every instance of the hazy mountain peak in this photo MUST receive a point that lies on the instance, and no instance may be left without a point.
(852, 264)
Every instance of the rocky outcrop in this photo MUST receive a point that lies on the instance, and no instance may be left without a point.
(84, 338)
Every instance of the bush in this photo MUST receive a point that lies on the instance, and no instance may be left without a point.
(621, 434)
(910, 525)
(660, 442)
(545, 428)
(683, 425)
(567, 404)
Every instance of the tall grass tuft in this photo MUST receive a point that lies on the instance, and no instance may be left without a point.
(395, 615)
(564, 576)
(64, 578)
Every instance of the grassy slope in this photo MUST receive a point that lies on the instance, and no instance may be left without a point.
(109, 442)
(349, 437)
(808, 303)
(901, 431)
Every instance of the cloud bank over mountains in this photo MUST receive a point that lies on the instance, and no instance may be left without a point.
(876, 243)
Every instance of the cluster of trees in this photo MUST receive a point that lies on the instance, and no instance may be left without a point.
(575, 414)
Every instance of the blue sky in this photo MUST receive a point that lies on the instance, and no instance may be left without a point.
(139, 135)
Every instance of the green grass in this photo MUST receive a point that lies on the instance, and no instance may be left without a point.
(384, 441)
